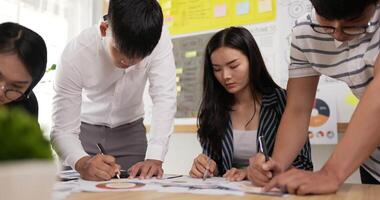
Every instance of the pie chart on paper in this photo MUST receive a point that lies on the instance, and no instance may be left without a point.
(320, 113)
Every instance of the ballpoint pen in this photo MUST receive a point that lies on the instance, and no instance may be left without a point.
(263, 147)
(103, 152)
(205, 174)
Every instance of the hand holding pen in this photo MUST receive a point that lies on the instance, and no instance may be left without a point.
(203, 167)
(103, 152)
(205, 173)
(261, 167)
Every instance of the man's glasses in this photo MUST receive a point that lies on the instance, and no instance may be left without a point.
(11, 94)
(348, 30)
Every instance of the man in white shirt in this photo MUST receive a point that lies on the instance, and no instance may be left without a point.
(99, 88)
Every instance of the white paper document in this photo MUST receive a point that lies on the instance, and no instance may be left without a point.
(182, 184)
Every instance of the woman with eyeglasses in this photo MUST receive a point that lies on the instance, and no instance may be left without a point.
(23, 57)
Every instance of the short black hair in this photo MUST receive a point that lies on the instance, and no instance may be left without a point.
(136, 26)
(28, 46)
(341, 9)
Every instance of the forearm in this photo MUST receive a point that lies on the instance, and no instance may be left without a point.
(361, 138)
(293, 130)
(291, 137)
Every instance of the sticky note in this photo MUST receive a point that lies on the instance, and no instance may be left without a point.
(265, 6)
(220, 10)
(177, 79)
(167, 5)
(179, 70)
(179, 88)
(190, 54)
(242, 8)
(352, 100)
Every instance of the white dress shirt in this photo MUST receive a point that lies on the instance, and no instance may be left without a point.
(89, 88)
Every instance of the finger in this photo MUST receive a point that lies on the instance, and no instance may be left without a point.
(108, 159)
(191, 173)
(271, 165)
(240, 176)
(212, 167)
(259, 178)
(152, 171)
(201, 168)
(225, 175)
(102, 175)
(134, 170)
(257, 160)
(196, 172)
(257, 163)
(292, 187)
(273, 183)
(202, 159)
(99, 164)
(160, 173)
(144, 171)
(231, 173)
(304, 189)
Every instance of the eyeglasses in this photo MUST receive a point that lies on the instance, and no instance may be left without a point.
(12, 94)
(348, 30)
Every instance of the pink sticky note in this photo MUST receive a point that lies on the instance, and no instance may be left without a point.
(220, 10)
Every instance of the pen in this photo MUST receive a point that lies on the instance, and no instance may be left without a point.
(263, 147)
(171, 177)
(207, 168)
(103, 152)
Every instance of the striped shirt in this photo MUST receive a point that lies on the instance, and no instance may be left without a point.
(272, 108)
(314, 54)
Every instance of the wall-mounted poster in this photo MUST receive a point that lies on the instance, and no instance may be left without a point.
(184, 16)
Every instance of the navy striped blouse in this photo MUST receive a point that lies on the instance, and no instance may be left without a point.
(272, 108)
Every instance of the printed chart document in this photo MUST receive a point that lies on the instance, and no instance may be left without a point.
(182, 184)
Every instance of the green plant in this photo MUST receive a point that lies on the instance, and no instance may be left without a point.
(52, 68)
(21, 137)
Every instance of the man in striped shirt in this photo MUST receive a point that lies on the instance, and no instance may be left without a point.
(339, 39)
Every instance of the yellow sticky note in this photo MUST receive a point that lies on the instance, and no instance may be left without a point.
(265, 6)
(190, 54)
(352, 100)
(177, 79)
(179, 88)
(179, 70)
(167, 5)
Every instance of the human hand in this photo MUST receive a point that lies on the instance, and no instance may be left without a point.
(301, 182)
(147, 168)
(200, 165)
(260, 172)
(236, 174)
(97, 168)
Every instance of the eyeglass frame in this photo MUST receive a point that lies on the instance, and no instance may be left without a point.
(7, 90)
(365, 27)
(333, 29)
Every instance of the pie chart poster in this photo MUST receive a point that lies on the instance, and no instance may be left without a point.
(323, 120)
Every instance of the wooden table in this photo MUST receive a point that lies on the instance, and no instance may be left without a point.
(347, 192)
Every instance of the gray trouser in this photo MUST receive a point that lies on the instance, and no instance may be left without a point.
(127, 143)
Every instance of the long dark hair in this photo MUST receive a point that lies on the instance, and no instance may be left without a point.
(214, 112)
(29, 47)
